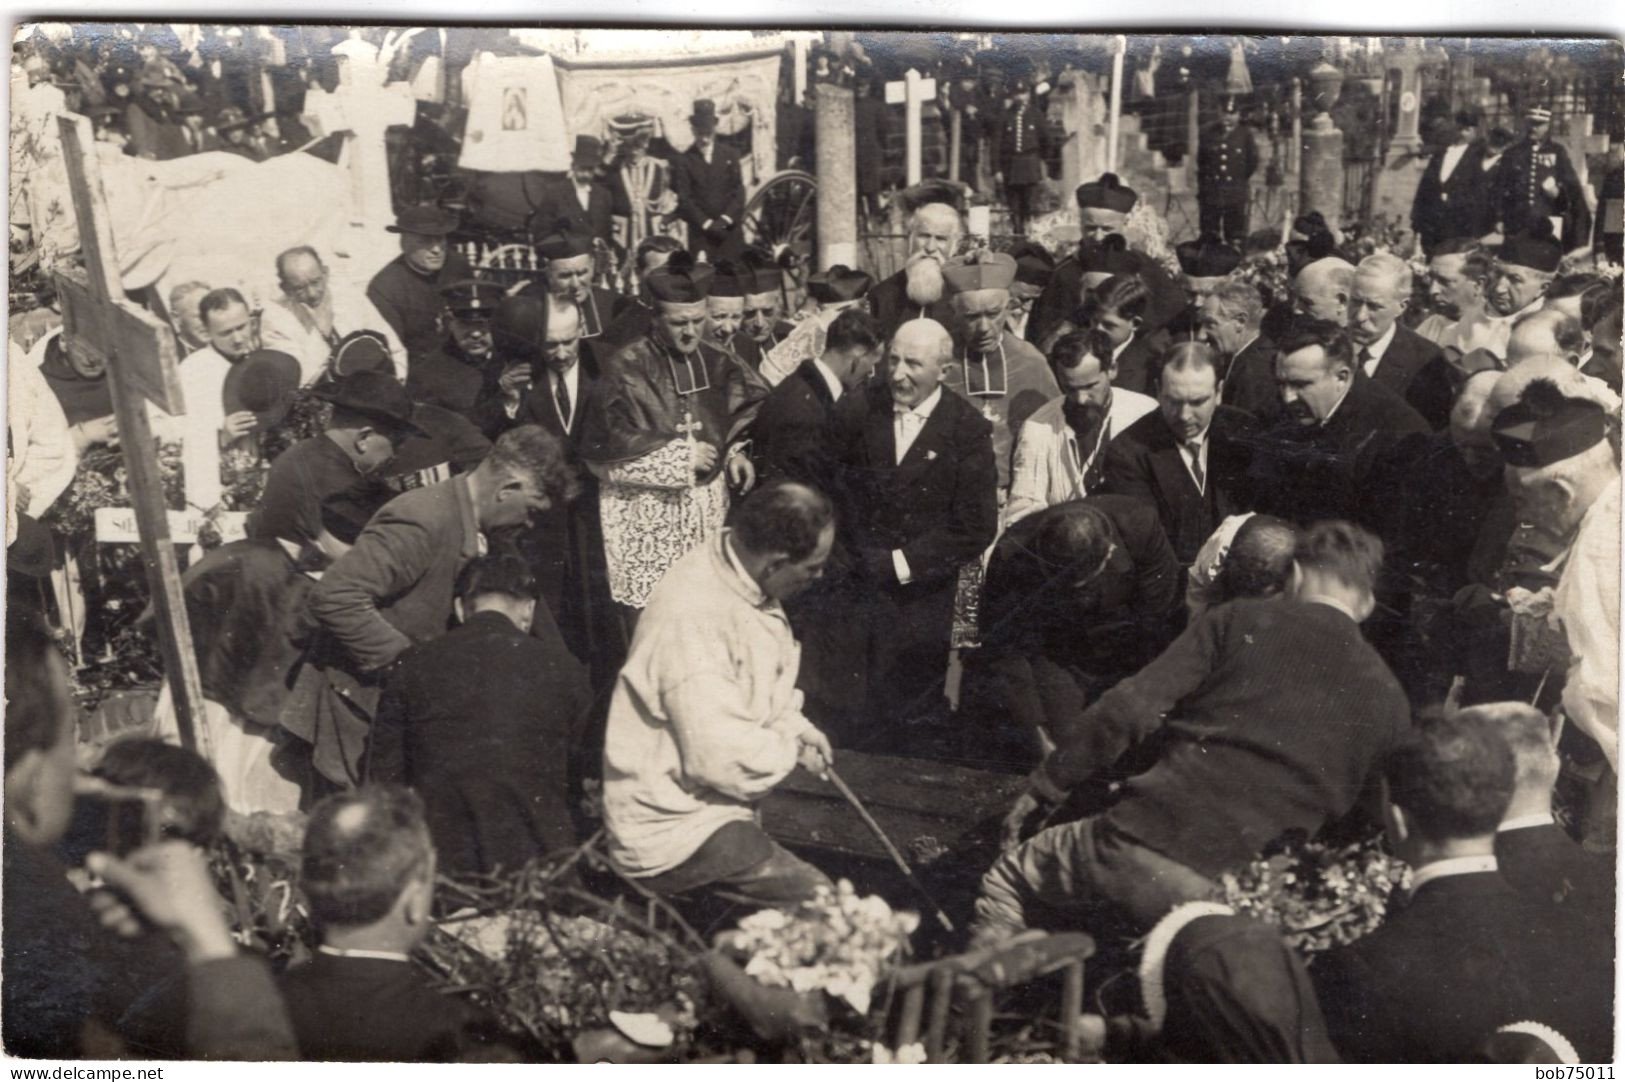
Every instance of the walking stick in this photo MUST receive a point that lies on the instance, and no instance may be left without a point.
(891, 850)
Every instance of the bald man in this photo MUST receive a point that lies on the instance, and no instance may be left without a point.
(1548, 332)
(918, 291)
(1321, 289)
(918, 502)
(1388, 351)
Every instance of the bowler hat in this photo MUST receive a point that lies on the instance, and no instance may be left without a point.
(704, 117)
(520, 325)
(263, 383)
(377, 395)
(588, 152)
(425, 219)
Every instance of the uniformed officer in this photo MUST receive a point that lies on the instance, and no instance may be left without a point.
(1023, 146)
(1537, 180)
(1225, 162)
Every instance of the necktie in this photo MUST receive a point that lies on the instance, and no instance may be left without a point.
(561, 395)
(908, 427)
(1365, 359)
(1195, 448)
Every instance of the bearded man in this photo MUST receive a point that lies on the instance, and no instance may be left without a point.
(918, 291)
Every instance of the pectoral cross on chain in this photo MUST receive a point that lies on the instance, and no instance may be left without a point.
(689, 426)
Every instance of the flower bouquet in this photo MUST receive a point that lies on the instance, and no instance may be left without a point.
(1320, 896)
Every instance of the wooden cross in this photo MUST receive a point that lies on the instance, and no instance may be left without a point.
(914, 91)
(139, 354)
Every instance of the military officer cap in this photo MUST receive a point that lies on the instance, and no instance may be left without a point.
(683, 285)
(1207, 257)
(565, 240)
(838, 284)
(980, 269)
(1539, 115)
(1107, 193)
(1034, 264)
(1546, 426)
(471, 300)
(1535, 248)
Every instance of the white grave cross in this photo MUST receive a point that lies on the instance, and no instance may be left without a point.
(914, 91)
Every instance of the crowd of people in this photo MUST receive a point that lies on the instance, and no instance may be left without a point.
(1216, 564)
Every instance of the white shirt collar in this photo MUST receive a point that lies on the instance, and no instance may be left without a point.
(1118, 352)
(1333, 411)
(1379, 348)
(926, 407)
(352, 952)
(1330, 603)
(1439, 869)
(834, 385)
(1519, 822)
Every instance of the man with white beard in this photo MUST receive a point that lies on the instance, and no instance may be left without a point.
(916, 291)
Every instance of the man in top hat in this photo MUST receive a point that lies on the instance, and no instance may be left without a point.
(1103, 210)
(1525, 265)
(834, 291)
(710, 188)
(578, 197)
(568, 276)
(1452, 199)
(1034, 266)
(664, 436)
(1226, 159)
(371, 416)
(1005, 378)
(1024, 144)
(916, 291)
(314, 314)
(1537, 181)
(407, 291)
(464, 374)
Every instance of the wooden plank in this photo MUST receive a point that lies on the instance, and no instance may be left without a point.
(910, 798)
(139, 352)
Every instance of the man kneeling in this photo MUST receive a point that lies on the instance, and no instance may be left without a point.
(706, 718)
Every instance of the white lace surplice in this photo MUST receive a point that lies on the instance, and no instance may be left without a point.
(653, 513)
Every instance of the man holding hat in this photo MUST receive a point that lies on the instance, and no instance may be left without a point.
(371, 416)
(1034, 266)
(1538, 182)
(710, 189)
(664, 437)
(463, 374)
(1103, 210)
(1451, 199)
(1024, 144)
(315, 313)
(1226, 159)
(578, 197)
(407, 291)
(1005, 378)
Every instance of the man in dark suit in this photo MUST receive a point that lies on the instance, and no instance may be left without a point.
(1389, 352)
(1536, 856)
(1332, 457)
(1463, 953)
(1452, 197)
(710, 189)
(792, 437)
(1189, 459)
(578, 197)
(407, 291)
(565, 544)
(489, 756)
(571, 267)
(1226, 159)
(1267, 717)
(1230, 318)
(368, 873)
(1024, 144)
(918, 491)
(1078, 596)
